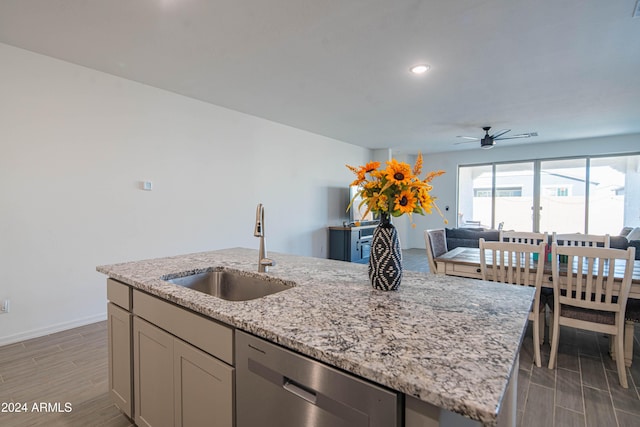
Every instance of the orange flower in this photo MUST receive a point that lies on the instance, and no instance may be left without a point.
(397, 189)
(426, 201)
(362, 171)
(398, 173)
(405, 202)
(371, 166)
(382, 203)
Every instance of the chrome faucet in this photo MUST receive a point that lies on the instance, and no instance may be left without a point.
(263, 261)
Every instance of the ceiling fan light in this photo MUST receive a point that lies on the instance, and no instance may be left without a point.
(420, 68)
(487, 143)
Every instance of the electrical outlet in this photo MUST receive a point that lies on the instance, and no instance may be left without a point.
(5, 307)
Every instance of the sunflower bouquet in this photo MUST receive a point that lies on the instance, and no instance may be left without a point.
(396, 190)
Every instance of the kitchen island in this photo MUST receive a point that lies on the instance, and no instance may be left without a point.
(450, 343)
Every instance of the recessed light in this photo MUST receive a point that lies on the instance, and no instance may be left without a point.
(420, 68)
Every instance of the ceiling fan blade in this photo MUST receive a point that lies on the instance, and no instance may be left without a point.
(500, 133)
(466, 142)
(522, 135)
(472, 138)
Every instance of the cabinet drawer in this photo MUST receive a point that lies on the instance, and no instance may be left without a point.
(119, 294)
(472, 271)
(206, 334)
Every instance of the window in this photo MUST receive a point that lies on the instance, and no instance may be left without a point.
(500, 192)
(588, 195)
(614, 194)
(563, 201)
(509, 192)
(482, 192)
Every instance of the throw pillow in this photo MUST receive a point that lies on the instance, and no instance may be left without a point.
(634, 235)
(625, 231)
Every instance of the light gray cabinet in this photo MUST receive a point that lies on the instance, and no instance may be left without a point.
(119, 324)
(175, 382)
(203, 388)
(168, 366)
(153, 381)
(119, 332)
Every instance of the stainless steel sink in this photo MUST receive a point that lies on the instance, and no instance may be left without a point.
(232, 285)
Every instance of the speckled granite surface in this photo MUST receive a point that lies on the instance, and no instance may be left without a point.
(446, 340)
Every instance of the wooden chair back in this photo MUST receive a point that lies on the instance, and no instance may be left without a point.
(436, 244)
(590, 277)
(513, 263)
(523, 237)
(517, 263)
(578, 239)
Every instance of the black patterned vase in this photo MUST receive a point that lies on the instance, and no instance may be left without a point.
(385, 261)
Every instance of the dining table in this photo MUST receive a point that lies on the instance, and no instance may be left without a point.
(465, 262)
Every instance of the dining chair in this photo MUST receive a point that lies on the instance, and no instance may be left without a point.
(436, 243)
(514, 263)
(546, 294)
(578, 239)
(632, 316)
(586, 300)
(523, 237)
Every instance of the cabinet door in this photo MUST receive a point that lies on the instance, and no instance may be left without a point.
(203, 388)
(119, 332)
(153, 375)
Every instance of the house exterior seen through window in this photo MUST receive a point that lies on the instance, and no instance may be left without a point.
(596, 195)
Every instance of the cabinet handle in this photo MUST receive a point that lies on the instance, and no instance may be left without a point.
(478, 270)
(299, 391)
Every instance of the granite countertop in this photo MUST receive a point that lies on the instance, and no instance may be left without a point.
(449, 341)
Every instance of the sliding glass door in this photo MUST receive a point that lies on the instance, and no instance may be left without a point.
(475, 195)
(514, 196)
(596, 195)
(563, 192)
(614, 197)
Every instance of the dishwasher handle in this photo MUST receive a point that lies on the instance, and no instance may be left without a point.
(299, 390)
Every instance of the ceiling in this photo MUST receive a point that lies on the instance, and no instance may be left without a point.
(566, 69)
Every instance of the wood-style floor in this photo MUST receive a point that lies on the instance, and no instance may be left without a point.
(71, 366)
(65, 367)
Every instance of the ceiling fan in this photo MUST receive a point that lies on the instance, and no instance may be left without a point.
(488, 141)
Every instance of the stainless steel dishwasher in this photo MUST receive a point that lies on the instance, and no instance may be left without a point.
(276, 387)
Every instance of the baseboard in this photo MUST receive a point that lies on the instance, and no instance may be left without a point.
(51, 329)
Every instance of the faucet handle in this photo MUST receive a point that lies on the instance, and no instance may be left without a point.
(264, 263)
(267, 262)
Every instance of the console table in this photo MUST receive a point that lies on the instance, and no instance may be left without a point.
(352, 244)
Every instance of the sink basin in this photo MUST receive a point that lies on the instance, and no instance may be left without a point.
(231, 285)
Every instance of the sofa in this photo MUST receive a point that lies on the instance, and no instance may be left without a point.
(628, 237)
(470, 238)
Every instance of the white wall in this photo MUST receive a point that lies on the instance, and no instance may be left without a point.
(75, 145)
(445, 186)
